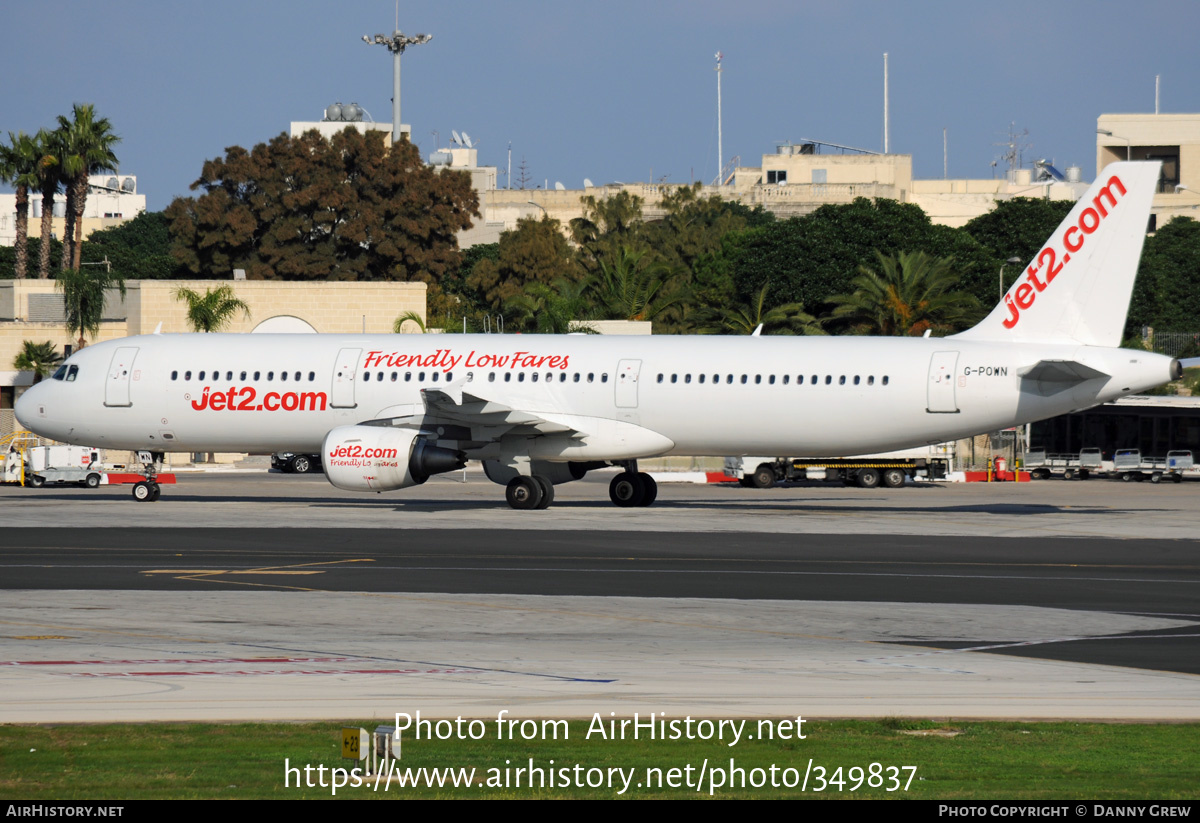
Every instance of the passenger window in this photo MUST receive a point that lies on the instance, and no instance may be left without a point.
(702, 378)
(521, 377)
(562, 378)
(508, 377)
(744, 379)
(378, 377)
(687, 378)
(58, 375)
(885, 380)
(270, 375)
(842, 380)
(312, 375)
(470, 376)
(786, 378)
(816, 378)
(243, 377)
(395, 375)
(534, 377)
(420, 377)
(187, 375)
(577, 375)
(200, 376)
(408, 377)
(757, 379)
(604, 377)
(799, 380)
(591, 376)
(298, 377)
(229, 375)
(449, 377)
(870, 380)
(771, 380)
(674, 378)
(828, 379)
(433, 376)
(729, 378)
(256, 374)
(491, 377)
(283, 376)
(856, 379)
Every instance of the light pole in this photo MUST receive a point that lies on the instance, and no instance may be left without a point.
(1014, 260)
(1128, 144)
(396, 44)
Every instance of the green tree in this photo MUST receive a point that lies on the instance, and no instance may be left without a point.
(1166, 294)
(18, 166)
(83, 298)
(790, 318)
(808, 259)
(138, 249)
(908, 295)
(39, 358)
(557, 308)
(534, 252)
(1018, 227)
(307, 208)
(633, 286)
(213, 310)
(87, 149)
(608, 224)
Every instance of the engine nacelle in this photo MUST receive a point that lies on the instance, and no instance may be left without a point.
(380, 459)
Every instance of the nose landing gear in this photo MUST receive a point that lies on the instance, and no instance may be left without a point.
(148, 491)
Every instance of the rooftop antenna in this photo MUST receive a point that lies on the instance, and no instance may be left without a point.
(454, 138)
(396, 44)
(467, 140)
(720, 155)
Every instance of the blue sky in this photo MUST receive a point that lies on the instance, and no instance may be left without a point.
(609, 91)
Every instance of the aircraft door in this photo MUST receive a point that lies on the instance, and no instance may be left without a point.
(120, 373)
(341, 395)
(941, 399)
(627, 380)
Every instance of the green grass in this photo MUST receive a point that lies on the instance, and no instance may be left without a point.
(1040, 761)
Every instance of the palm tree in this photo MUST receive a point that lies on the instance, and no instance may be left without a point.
(83, 298)
(18, 166)
(744, 319)
(213, 310)
(910, 295)
(88, 150)
(634, 288)
(556, 309)
(49, 175)
(38, 358)
(408, 317)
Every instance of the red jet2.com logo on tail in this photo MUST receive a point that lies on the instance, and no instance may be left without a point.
(1024, 295)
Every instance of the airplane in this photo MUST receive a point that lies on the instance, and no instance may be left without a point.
(388, 411)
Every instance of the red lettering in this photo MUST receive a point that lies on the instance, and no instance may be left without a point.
(1072, 247)
(1083, 221)
(202, 403)
(248, 395)
(1016, 315)
(1032, 277)
(1107, 192)
(1024, 295)
(291, 401)
(271, 401)
(217, 401)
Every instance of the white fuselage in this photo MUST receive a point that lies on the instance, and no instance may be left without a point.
(706, 395)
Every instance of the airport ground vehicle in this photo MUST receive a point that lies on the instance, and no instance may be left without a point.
(54, 465)
(1043, 466)
(294, 462)
(1130, 465)
(867, 472)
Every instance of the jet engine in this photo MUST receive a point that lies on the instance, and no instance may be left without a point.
(380, 459)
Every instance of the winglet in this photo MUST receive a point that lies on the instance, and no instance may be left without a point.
(158, 328)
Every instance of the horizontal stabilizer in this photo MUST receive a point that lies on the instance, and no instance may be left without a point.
(1053, 376)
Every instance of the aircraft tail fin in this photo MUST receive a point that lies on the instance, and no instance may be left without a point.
(1077, 288)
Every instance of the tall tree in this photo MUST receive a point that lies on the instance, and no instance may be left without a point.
(790, 318)
(1166, 294)
(84, 291)
(49, 176)
(18, 166)
(607, 225)
(213, 310)
(307, 208)
(38, 358)
(534, 252)
(632, 286)
(88, 144)
(908, 295)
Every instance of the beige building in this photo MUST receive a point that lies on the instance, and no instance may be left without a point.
(1173, 139)
(32, 310)
(112, 199)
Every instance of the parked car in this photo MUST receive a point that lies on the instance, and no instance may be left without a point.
(298, 463)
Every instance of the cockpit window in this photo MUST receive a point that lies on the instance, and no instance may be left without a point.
(60, 374)
(72, 372)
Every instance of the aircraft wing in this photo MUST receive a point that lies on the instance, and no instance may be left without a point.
(476, 418)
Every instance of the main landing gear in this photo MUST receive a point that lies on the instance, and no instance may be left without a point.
(147, 491)
(525, 492)
(632, 488)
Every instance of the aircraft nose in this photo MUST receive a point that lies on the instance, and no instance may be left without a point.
(26, 407)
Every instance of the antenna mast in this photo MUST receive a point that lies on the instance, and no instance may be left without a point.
(720, 155)
(885, 104)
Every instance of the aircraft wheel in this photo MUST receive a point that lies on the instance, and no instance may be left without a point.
(301, 464)
(893, 478)
(651, 489)
(143, 492)
(155, 491)
(763, 477)
(868, 478)
(523, 492)
(37, 481)
(547, 492)
(627, 490)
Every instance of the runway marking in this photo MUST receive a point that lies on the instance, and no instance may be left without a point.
(199, 575)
